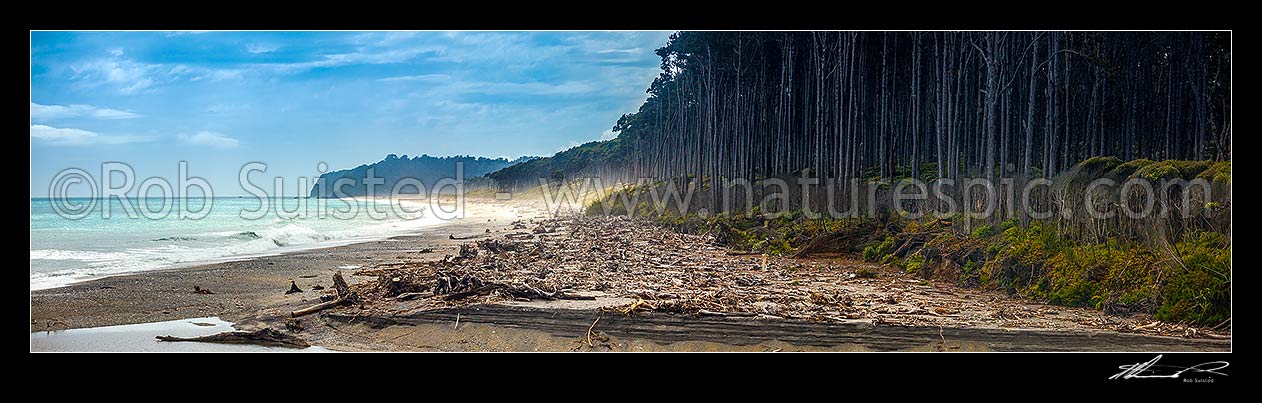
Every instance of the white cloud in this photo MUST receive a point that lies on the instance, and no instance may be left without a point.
(508, 49)
(129, 76)
(456, 88)
(52, 112)
(368, 48)
(210, 139)
(78, 137)
(194, 73)
(222, 108)
(633, 51)
(170, 34)
(420, 77)
(260, 48)
(608, 135)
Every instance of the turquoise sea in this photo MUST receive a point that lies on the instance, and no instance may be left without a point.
(68, 249)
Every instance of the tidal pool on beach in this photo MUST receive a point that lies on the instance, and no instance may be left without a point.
(141, 337)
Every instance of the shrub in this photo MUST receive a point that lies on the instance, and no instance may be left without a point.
(1009, 223)
(914, 264)
(1128, 168)
(1218, 172)
(1198, 289)
(877, 252)
(1157, 171)
(1171, 169)
(985, 231)
(1096, 165)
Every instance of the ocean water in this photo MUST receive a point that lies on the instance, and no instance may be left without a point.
(67, 250)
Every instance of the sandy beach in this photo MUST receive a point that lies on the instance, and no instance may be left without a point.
(241, 288)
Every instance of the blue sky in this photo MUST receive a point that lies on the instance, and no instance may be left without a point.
(220, 100)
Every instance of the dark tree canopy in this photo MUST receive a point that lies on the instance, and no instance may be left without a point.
(978, 104)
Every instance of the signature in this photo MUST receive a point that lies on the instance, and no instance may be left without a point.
(1150, 369)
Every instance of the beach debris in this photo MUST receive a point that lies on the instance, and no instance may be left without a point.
(467, 251)
(317, 287)
(344, 295)
(49, 324)
(1005, 313)
(407, 296)
(396, 283)
(293, 288)
(589, 331)
(635, 306)
(199, 290)
(491, 245)
(1168, 329)
(655, 269)
(308, 276)
(474, 236)
(263, 337)
(704, 312)
(453, 286)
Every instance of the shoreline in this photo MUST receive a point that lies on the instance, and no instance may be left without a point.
(242, 286)
(281, 250)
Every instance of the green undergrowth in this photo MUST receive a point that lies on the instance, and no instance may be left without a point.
(1183, 280)
(1186, 282)
(1143, 168)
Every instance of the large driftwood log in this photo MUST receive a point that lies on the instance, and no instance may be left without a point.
(263, 337)
(344, 295)
(317, 307)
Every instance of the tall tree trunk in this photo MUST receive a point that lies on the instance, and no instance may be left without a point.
(1029, 114)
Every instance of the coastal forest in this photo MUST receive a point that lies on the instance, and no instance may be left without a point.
(750, 104)
(866, 111)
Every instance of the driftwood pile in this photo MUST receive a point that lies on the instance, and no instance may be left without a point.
(663, 271)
